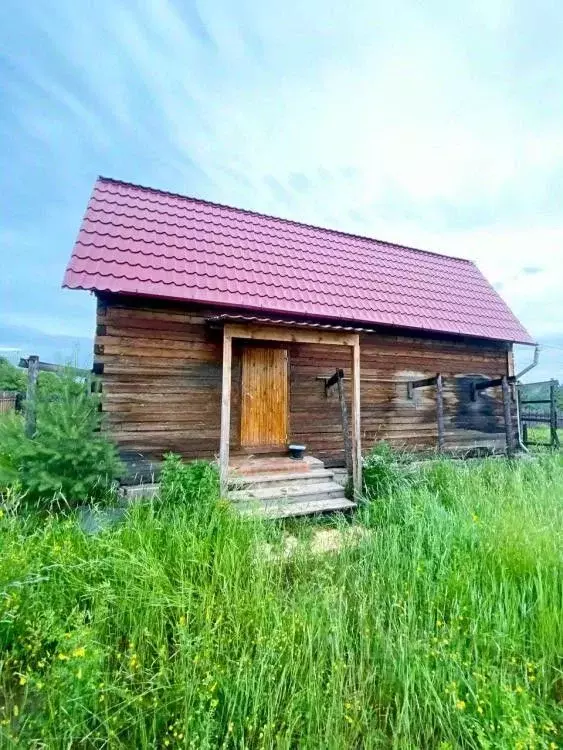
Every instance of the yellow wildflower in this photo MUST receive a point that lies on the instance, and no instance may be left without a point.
(23, 679)
(460, 705)
(79, 652)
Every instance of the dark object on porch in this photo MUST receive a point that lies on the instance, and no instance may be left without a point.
(297, 451)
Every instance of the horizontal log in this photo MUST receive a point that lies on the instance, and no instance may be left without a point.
(120, 315)
(49, 367)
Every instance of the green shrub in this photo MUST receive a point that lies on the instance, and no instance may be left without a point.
(68, 460)
(386, 471)
(191, 484)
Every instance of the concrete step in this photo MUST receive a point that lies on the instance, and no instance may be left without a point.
(282, 509)
(140, 491)
(272, 479)
(291, 493)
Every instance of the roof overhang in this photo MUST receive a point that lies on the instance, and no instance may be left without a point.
(218, 321)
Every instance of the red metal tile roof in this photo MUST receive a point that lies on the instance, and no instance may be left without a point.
(135, 240)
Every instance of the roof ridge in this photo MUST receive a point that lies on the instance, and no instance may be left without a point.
(282, 219)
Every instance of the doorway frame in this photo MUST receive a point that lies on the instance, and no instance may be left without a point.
(288, 334)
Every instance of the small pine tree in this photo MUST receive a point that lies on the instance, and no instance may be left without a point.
(68, 460)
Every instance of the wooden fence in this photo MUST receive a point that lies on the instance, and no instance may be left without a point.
(8, 401)
(536, 411)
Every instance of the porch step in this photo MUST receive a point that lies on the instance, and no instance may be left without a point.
(279, 487)
(282, 509)
(139, 491)
(254, 481)
(245, 466)
(290, 493)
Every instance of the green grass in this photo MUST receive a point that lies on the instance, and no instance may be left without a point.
(442, 628)
(542, 434)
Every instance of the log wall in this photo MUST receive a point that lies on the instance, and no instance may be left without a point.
(162, 386)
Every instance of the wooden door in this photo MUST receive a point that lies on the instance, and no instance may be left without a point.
(264, 397)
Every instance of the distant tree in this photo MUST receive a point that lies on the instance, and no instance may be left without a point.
(11, 377)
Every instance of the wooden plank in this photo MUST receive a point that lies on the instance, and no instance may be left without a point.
(507, 415)
(440, 411)
(225, 411)
(344, 416)
(356, 419)
(273, 333)
(49, 367)
(412, 384)
(335, 380)
(30, 402)
(553, 388)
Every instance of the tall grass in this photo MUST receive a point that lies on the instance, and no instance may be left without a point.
(440, 628)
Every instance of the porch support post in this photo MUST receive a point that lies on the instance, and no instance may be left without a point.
(440, 412)
(507, 416)
(356, 423)
(225, 411)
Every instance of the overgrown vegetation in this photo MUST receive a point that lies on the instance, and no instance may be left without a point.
(68, 460)
(11, 378)
(439, 627)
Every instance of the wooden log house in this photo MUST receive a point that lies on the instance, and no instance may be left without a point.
(220, 332)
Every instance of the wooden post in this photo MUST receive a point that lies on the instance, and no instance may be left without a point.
(31, 396)
(507, 415)
(345, 425)
(356, 422)
(553, 414)
(440, 411)
(225, 413)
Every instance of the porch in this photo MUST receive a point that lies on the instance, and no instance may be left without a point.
(265, 396)
(281, 487)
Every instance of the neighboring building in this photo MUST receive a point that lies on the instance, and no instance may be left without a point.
(217, 327)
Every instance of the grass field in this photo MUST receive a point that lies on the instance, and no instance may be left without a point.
(440, 626)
